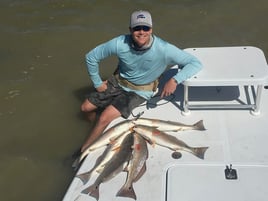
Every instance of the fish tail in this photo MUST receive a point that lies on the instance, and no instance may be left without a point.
(93, 191)
(127, 191)
(84, 177)
(75, 164)
(200, 151)
(79, 160)
(199, 125)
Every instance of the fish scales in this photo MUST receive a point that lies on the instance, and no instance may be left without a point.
(107, 137)
(154, 136)
(108, 153)
(135, 168)
(112, 167)
(163, 125)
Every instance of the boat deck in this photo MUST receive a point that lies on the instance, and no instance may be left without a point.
(236, 139)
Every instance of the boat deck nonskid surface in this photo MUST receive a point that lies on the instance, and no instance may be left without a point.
(233, 136)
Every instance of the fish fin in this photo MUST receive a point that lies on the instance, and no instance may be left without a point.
(84, 177)
(93, 191)
(153, 143)
(117, 148)
(150, 141)
(126, 166)
(141, 173)
(127, 191)
(175, 130)
(200, 152)
(199, 125)
(125, 169)
(100, 169)
(111, 142)
(113, 139)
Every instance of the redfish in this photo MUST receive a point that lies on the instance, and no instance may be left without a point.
(155, 136)
(163, 125)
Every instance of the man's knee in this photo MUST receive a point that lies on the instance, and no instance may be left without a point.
(87, 106)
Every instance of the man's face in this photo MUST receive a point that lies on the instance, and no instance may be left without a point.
(141, 35)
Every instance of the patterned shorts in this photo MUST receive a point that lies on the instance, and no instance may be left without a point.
(122, 100)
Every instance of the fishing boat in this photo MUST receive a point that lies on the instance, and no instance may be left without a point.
(230, 95)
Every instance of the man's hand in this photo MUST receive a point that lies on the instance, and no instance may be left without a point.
(169, 87)
(102, 87)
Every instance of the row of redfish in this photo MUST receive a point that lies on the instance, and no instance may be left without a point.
(127, 151)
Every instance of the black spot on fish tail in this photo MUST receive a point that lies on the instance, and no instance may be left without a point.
(127, 191)
(93, 191)
(199, 125)
(200, 152)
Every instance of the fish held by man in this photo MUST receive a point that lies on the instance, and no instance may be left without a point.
(155, 136)
(112, 167)
(136, 167)
(107, 137)
(163, 125)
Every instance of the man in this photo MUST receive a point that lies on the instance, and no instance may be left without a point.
(143, 57)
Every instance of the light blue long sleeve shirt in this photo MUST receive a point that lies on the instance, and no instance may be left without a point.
(142, 67)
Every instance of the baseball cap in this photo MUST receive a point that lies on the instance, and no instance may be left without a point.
(141, 18)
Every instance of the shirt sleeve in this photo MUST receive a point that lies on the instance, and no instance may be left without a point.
(94, 57)
(189, 65)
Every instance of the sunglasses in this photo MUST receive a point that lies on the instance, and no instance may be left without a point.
(139, 28)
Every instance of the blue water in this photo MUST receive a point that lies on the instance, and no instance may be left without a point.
(43, 78)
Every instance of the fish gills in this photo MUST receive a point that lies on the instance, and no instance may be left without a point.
(112, 167)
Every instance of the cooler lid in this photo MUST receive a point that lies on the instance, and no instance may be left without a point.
(209, 182)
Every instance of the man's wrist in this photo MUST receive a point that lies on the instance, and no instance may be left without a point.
(175, 80)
